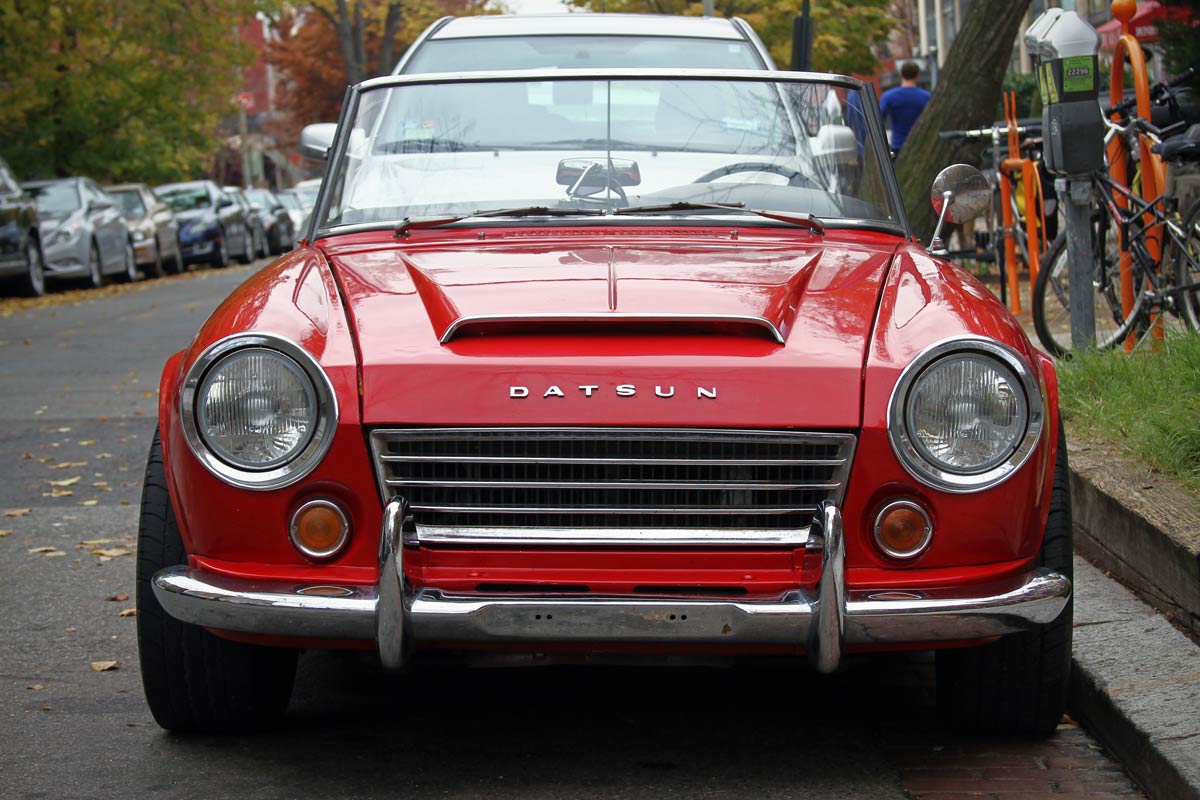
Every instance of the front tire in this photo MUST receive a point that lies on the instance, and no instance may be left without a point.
(130, 273)
(1018, 684)
(95, 276)
(33, 282)
(220, 256)
(195, 681)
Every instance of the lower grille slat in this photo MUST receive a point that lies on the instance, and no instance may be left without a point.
(531, 484)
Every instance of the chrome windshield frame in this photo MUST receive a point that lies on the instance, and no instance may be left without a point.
(353, 94)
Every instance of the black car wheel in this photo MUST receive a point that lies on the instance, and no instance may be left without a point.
(157, 267)
(194, 680)
(175, 265)
(130, 273)
(248, 240)
(95, 278)
(33, 282)
(220, 256)
(1018, 684)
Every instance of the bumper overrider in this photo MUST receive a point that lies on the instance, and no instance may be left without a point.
(824, 621)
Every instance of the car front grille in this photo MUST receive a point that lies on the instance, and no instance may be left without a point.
(611, 485)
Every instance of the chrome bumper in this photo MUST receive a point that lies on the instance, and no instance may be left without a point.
(824, 622)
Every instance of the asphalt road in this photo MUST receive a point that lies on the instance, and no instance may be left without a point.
(78, 380)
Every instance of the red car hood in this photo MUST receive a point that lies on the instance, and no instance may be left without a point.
(635, 331)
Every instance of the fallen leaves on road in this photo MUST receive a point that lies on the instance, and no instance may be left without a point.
(27, 455)
(58, 493)
(93, 542)
(87, 442)
(87, 502)
(69, 465)
(49, 552)
(128, 612)
(66, 481)
(36, 687)
(119, 598)
(5, 532)
(104, 666)
(111, 552)
(71, 629)
(17, 512)
(104, 455)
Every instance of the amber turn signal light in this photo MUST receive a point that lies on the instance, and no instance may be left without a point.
(319, 528)
(903, 529)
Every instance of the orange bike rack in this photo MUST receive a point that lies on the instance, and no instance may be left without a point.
(1031, 186)
(1153, 169)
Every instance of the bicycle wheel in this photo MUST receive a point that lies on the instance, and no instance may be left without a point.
(1187, 270)
(1052, 299)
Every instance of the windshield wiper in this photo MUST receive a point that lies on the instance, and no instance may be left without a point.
(420, 223)
(803, 220)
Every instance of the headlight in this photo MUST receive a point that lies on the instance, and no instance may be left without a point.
(258, 411)
(965, 415)
(64, 234)
(140, 235)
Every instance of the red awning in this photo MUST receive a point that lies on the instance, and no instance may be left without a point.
(1144, 23)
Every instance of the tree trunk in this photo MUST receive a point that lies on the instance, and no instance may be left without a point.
(391, 27)
(966, 96)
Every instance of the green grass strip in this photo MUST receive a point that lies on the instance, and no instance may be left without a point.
(1147, 404)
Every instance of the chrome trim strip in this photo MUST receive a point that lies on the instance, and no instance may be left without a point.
(682, 511)
(648, 537)
(391, 623)
(395, 617)
(613, 485)
(275, 608)
(733, 462)
(463, 323)
(825, 637)
(955, 482)
(305, 461)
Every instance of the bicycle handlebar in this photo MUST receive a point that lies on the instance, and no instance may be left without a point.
(986, 133)
(1157, 92)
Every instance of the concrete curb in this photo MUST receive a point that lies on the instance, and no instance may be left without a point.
(1135, 685)
(1141, 528)
(1135, 682)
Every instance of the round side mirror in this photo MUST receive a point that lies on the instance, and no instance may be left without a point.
(968, 193)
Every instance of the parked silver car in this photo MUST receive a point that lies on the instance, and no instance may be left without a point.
(153, 228)
(592, 41)
(83, 231)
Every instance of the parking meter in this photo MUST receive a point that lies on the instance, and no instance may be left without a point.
(1072, 126)
(1072, 145)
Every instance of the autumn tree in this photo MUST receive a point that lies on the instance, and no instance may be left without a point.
(845, 32)
(965, 97)
(117, 89)
(369, 35)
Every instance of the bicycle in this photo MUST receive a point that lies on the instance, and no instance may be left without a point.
(1123, 221)
(1015, 235)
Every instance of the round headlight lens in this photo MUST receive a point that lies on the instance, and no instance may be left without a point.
(966, 413)
(256, 409)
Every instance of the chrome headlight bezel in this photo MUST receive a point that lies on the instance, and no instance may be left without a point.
(938, 476)
(298, 465)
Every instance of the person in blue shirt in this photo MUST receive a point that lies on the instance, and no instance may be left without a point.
(904, 103)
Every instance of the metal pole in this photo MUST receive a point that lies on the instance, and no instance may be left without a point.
(242, 130)
(708, 8)
(1078, 213)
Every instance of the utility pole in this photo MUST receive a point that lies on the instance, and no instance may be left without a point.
(708, 8)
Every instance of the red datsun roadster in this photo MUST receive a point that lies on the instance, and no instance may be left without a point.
(592, 362)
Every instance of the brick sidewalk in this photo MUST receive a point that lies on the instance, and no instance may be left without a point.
(1070, 763)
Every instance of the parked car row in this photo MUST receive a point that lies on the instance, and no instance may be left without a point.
(72, 228)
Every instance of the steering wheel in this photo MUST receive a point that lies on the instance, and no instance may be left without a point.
(794, 177)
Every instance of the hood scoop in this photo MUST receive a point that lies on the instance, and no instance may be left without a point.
(612, 290)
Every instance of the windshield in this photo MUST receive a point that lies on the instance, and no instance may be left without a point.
(130, 202)
(185, 196)
(581, 52)
(57, 198)
(289, 201)
(455, 148)
(260, 198)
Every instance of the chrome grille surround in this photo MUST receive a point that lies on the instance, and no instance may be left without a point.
(611, 486)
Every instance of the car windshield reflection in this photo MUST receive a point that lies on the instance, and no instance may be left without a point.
(453, 148)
